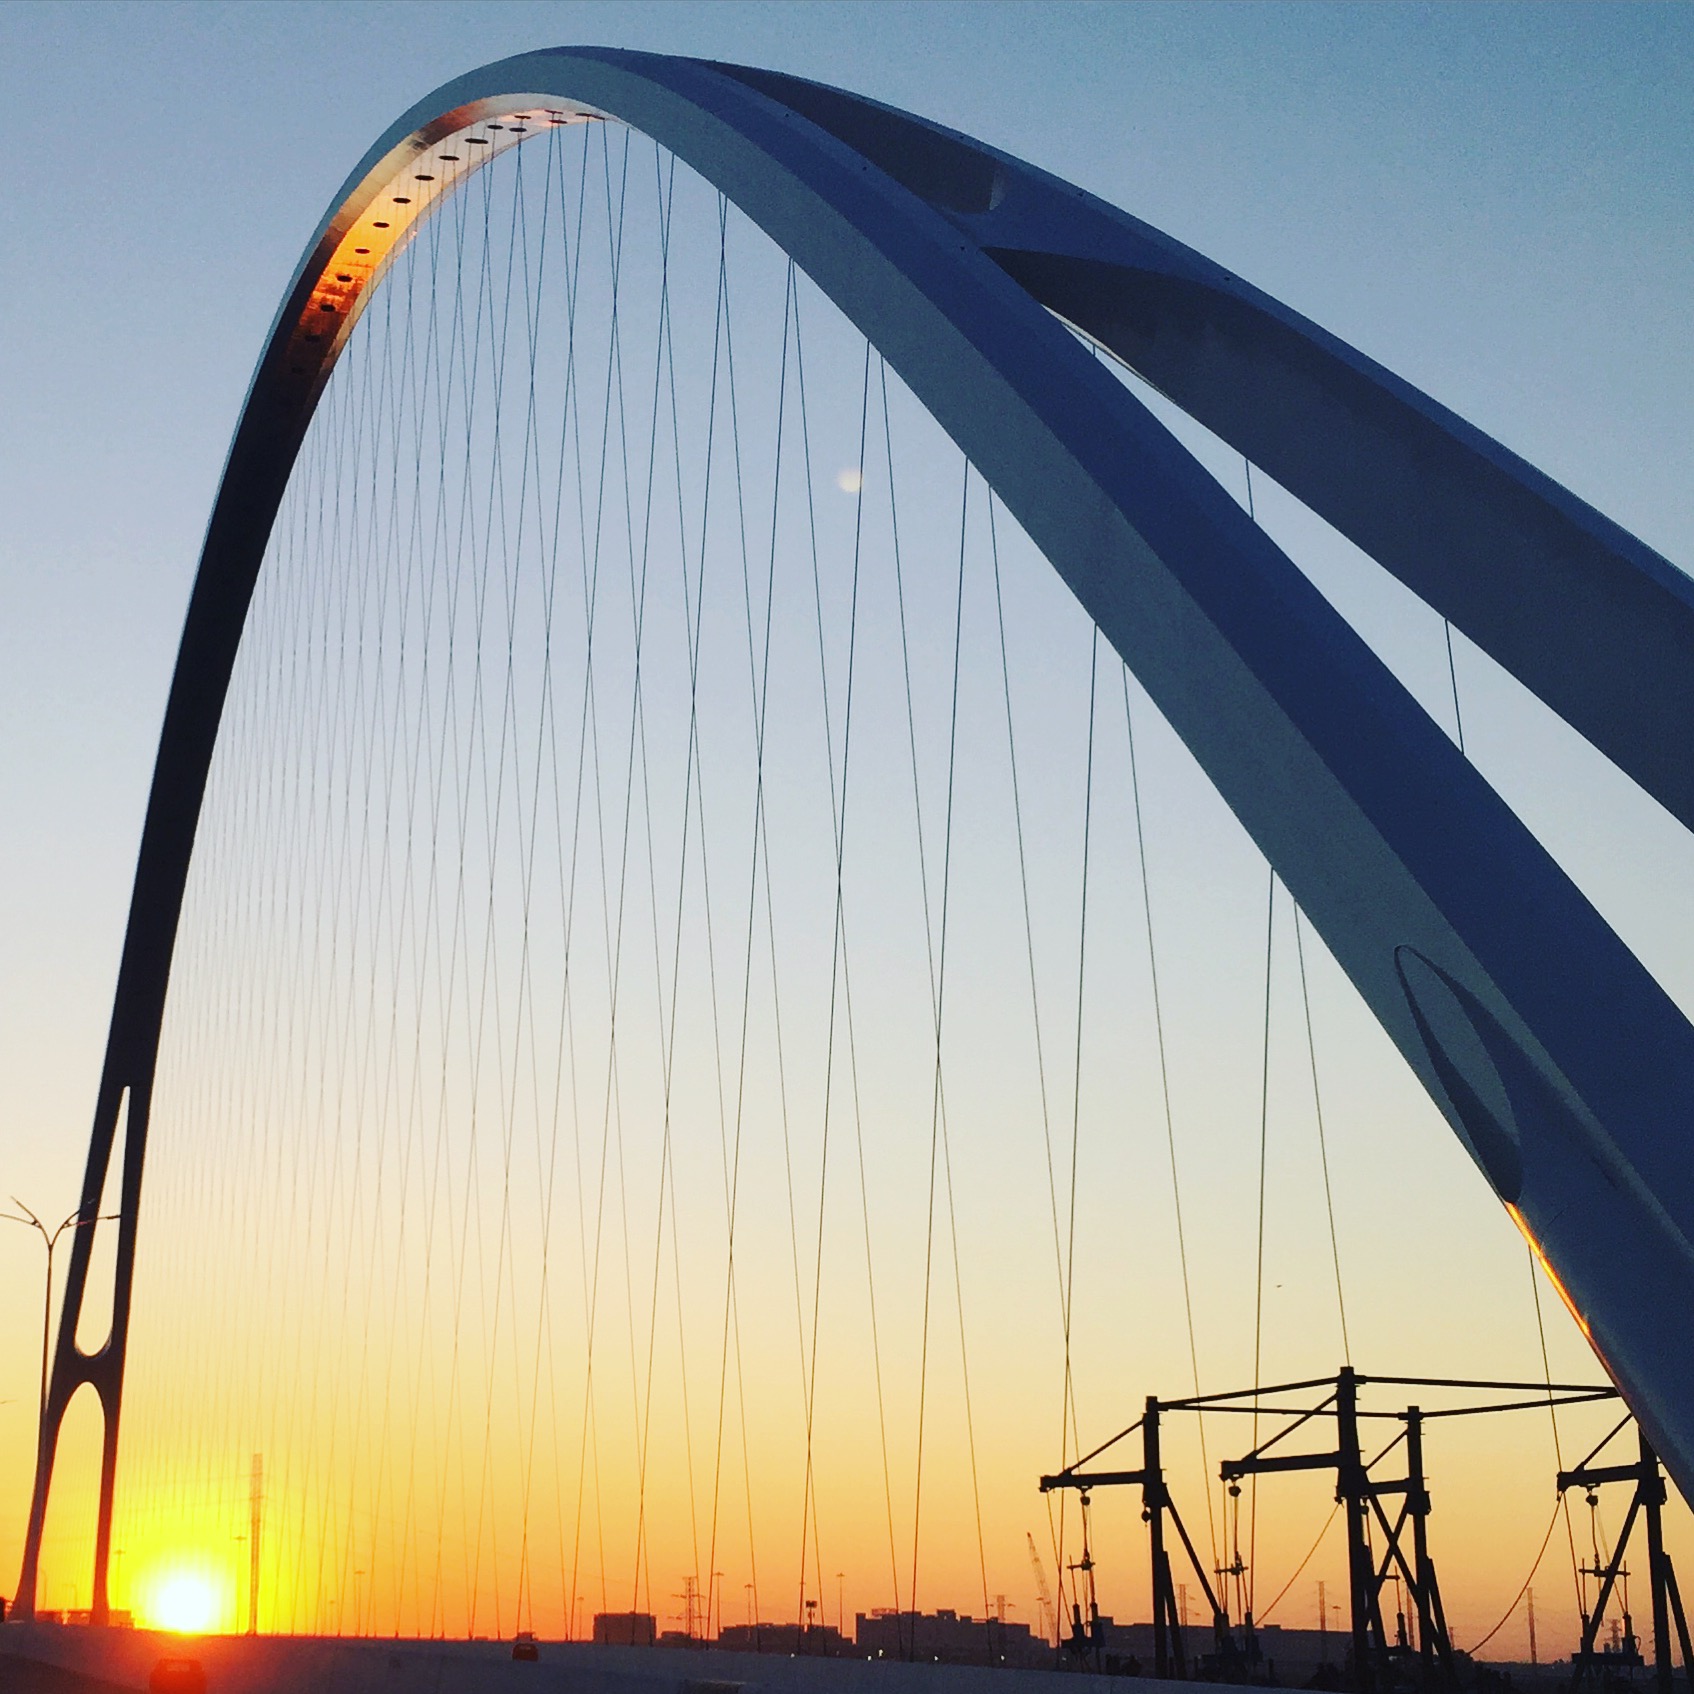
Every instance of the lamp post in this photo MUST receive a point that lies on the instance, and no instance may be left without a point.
(78, 1219)
(49, 1240)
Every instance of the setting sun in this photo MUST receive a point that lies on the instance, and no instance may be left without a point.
(185, 1602)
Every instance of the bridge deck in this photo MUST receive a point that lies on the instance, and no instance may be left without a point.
(53, 1659)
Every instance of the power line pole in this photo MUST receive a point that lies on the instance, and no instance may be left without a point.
(256, 1501)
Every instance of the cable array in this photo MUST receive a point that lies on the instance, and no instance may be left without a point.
(680, 1077)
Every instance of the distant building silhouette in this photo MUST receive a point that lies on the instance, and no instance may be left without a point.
(1294, 1654)
(624, 1629)
(941, 1637)
(949, 1638)
(820, 1641)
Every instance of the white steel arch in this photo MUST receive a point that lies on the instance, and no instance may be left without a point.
(1558, 1060)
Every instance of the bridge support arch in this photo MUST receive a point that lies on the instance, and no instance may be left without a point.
(1559, 1062)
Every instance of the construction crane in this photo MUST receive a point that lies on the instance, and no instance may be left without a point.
(1048, 1615)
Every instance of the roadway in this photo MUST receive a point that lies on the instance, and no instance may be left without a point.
(59, 1659)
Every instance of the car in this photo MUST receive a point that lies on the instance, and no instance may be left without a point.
(525, 1649)
(177, 1676)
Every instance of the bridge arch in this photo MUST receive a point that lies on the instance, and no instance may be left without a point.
(1559, 1062)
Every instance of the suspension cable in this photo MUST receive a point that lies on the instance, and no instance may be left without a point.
(1259, 1272)
(1076, 1074)
(1169, 1115)
(1323, 1145)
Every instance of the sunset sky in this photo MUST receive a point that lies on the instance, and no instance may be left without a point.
(1491, 200)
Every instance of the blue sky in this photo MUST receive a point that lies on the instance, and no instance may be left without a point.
(1491, 200)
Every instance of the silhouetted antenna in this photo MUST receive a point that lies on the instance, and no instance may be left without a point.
(256, 1504)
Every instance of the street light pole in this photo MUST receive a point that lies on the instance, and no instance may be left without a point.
(78, 1219)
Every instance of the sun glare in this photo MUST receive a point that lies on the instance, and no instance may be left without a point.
(184, 1602)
